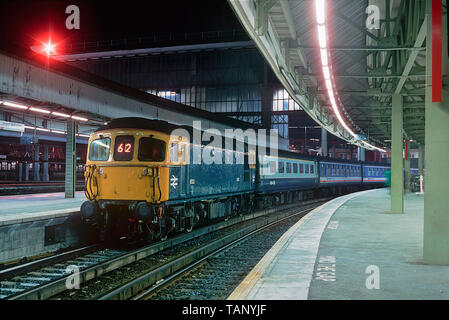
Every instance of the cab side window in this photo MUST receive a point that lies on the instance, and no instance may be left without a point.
(174, 152)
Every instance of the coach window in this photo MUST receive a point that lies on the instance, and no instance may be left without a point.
(301, 168)
(312, 168)
(307, 168)
(289, 167)
(295, 168)
(272, 166)
(281, 167)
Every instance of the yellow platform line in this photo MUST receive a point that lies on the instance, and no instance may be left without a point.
(245, 287)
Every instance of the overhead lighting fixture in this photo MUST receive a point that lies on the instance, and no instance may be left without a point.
(83, 135)
(43, 129)
(320, 9)
(28, 127)
(60, 114)
(39, 110)
(326, 72)
(320, 12)
(322, 36)
(324, 60)
(57, 131)
(79, 118)
(14, 105)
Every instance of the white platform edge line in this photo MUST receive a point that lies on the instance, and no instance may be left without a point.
(245, 288)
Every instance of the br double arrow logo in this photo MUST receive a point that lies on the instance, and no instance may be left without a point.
(174, 181)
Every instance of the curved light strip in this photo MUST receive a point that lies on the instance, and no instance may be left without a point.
(320, 10)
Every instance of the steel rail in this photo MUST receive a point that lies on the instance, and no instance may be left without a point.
(33, 265)
(58, 285)
(179, 266)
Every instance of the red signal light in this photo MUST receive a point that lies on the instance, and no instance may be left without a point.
(49, 48)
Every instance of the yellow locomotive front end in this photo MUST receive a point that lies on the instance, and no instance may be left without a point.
(127, 181)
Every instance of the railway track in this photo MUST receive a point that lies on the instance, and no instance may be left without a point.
(46, 278)
(214, 269)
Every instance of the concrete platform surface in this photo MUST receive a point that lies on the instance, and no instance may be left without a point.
(29, 207)
(350, 248)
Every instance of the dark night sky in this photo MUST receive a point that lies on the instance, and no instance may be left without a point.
(23, 23)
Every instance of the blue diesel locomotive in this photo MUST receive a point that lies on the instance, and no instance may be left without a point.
(143, 181)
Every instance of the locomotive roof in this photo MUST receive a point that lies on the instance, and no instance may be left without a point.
(142, 123)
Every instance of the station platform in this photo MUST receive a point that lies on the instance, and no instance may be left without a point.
(31, 187)
(350, 248)
(32, 225)
(30, 207)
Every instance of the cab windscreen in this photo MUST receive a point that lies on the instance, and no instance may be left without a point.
(151, 149)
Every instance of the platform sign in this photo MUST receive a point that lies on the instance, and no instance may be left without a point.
(12, 126)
